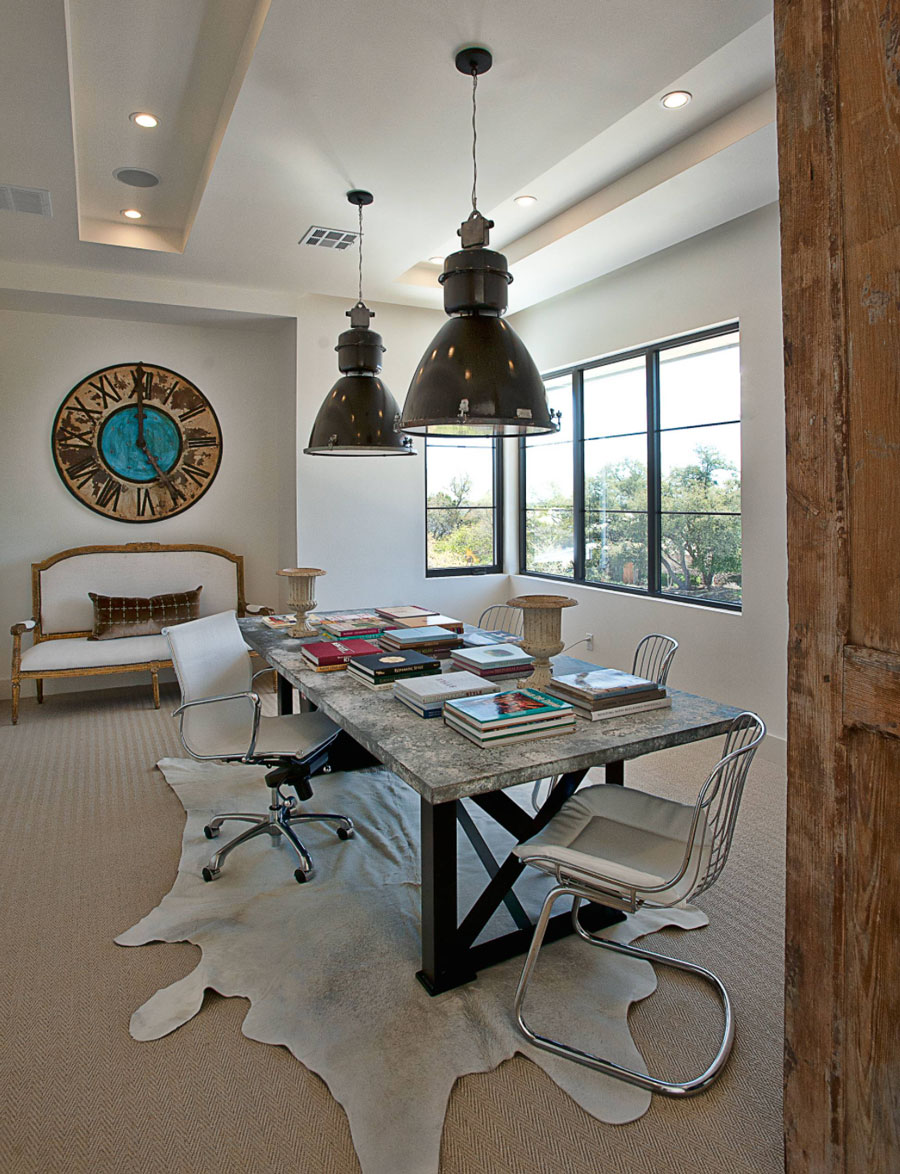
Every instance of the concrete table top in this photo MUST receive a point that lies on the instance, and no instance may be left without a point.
(442, 765)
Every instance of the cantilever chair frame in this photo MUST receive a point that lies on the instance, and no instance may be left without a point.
(723, 788)
(252, 696)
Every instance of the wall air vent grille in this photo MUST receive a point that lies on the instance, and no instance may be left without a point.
(15, 199)
(328, 238)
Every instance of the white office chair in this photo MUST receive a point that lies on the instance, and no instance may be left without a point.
(220, 718)
(625, 848)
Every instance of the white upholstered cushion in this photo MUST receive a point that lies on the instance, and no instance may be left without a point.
(294, 733)
(631, 838)
(65, 606)
(81, 653)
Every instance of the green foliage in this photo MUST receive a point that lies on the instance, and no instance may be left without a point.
(460, 530)
(701, 545)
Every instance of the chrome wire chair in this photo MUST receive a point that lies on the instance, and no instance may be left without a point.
(499, 617)
(636, 849)
(653, 657)
(220, 719)
(652, 660)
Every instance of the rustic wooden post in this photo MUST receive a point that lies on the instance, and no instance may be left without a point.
(838, 76)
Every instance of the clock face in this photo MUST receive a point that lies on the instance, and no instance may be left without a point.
(137, 442)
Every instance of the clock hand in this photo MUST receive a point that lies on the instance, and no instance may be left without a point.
(138, 377)
(164, 477)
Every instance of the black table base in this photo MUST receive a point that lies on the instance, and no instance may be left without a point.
(450, 956)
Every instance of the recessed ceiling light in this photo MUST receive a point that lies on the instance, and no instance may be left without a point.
(676, 99)
(525, 201)
(142, 118)
(436, 260)
(131, 213)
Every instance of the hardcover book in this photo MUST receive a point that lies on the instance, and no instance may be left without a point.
(494, 656)
(437, 690)
(613, 701)
(434, 621)
(596, 715)
(336, 652)
(516, 706)
(508, 735)
(601, 682)
(430, 634)
(406, 611)
(282, 621)
(359, 625)
(393, 664)
(480, 638)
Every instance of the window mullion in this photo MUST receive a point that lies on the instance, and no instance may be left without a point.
(578, 495)
(654, 487)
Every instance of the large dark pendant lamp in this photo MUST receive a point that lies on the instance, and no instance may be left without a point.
(359, 416)
(476, 378)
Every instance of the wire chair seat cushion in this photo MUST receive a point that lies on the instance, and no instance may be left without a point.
(634, 846)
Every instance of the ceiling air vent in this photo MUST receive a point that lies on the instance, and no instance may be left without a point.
(328, 238)
(13, 199)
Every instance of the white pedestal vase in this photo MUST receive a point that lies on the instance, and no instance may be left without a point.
(302, 595)
(542, 637)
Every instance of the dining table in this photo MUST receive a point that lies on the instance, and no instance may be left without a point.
(450, 774)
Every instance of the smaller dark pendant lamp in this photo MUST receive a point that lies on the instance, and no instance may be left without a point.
(359, 416)
(476, 378)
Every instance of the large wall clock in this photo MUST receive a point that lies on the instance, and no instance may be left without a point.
(137, 442)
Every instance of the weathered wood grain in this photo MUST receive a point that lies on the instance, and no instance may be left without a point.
(838, 78)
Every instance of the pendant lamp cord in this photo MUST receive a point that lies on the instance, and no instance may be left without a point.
(474, 143)
(360, 238)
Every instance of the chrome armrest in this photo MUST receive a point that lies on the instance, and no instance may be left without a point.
(262, 672)
(251, 696)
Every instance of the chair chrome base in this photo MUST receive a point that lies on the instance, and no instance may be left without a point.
(682, 1088)
(277, 824)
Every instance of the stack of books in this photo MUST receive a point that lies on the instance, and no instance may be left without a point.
(601, 693)
(432, 640)
(433, 621)
(496, 662)
(281, 621)
(509, 717)
(381, 670)
(481, 637)
(327, 656)
(405, 611)
(349, 623)
(426, 697)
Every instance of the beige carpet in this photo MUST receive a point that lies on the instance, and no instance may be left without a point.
(92, 839)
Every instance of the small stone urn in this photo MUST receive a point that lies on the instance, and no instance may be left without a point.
(542, 616)
(302, 599)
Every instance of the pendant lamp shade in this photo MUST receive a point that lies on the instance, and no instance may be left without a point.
(476, 377)
(359, 417)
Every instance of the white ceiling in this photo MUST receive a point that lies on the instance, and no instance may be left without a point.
(352, 93)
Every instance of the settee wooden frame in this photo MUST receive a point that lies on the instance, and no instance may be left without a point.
(34, 624)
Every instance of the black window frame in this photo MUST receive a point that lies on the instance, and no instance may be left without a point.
(496, 566)
(651, 354)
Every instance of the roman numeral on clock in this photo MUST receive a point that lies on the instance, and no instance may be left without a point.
(91, 413)
(104, 388)
(109, 494)
(191, 413)
(201, 442)
(145, 502)
(74, 438)
(82, 471)
(196, 474)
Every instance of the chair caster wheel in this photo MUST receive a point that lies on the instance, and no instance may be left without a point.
(345, 833)
(210, 833)
(209, 874)
(300, 876)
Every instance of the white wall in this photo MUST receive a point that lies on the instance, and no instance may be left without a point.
(732, 272)
(363, 518)
(248, 375)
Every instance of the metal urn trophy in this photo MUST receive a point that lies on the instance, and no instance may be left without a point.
(542, 637)
(302, 597)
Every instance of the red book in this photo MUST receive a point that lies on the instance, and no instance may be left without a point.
(326, 652)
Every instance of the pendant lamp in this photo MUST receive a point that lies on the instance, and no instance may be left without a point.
(476, 377)
(359, 416)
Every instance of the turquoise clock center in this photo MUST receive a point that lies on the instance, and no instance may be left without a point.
(119, 449)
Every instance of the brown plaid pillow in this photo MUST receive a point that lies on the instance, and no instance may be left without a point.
(118, 616)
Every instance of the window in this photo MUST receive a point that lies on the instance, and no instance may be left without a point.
(463, 505)
(641, 489)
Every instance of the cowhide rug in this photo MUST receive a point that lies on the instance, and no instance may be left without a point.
(329, 966)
